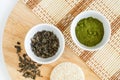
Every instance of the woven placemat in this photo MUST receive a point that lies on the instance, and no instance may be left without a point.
(105, 62)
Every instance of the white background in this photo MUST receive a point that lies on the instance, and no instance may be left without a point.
(5, 9)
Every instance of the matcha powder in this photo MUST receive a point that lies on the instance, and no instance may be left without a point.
(89, 31)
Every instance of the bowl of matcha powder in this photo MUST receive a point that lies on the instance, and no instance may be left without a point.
(90, 30)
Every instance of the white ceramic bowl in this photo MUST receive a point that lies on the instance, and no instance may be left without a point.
(97, 15)
(41, 27)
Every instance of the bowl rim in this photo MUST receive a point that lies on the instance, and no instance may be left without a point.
(61, 47)
(73, 35)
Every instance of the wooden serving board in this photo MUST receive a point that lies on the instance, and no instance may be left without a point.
(19, 22)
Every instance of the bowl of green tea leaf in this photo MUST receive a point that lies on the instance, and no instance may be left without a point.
(90, 30)
(44, 43)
